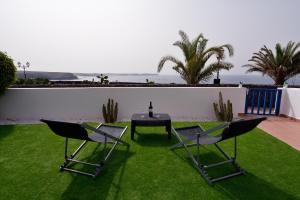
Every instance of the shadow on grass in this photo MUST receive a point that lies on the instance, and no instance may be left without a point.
(110, 179)
(246, 186)
(250, 186)
(153, 139)
(6, 130)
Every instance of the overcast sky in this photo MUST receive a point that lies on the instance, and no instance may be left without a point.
(130, 36)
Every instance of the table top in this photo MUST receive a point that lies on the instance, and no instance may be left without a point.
(145, 117)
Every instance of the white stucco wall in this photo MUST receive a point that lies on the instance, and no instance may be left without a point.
(290, 102)
(81, 104)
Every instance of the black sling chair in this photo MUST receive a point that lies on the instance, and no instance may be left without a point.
(101, 134)
(197, 136)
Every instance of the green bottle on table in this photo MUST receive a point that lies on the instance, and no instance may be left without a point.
(150, 110)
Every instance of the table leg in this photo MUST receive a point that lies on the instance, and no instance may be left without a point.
(132, 131)
(168, 129)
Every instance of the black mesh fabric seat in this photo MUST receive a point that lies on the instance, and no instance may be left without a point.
(112, 130)
(101, 134)
(206, 139)
(197, 136)
(191, 132)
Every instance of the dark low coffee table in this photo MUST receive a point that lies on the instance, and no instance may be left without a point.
(159, 119)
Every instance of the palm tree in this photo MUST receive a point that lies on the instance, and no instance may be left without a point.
(196, 55)
(24, 67)
(281, 66)
(220, 58)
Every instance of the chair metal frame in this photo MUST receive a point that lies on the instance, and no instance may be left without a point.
(201, 167)
(98, 166)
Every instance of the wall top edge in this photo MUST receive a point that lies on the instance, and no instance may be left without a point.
(75, 88)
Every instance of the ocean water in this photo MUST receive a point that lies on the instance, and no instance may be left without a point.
(158, 78)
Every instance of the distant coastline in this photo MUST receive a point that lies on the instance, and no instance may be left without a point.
(48, 75)
(156, 78)
(116, 74)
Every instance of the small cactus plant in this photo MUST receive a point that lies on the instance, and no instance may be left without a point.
(224, 112)
(110, 111)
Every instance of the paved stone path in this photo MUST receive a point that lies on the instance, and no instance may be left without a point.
(285, 129)
(282, 128)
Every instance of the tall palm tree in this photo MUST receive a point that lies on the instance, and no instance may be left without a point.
(221, 57)
(281, 66)
(194, 69)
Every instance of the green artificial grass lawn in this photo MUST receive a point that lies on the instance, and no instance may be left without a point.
(30, 156)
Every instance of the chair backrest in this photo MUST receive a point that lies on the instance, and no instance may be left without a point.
(67, 129)
(240, 127)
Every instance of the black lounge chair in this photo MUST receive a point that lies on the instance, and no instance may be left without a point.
(197, 136)
(101, 134)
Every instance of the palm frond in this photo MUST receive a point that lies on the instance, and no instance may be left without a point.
(196, 57)
(163, 60)
(229, 48)
(215, 50)
(201, 47)
(281, 65)
(206, 74)
(195, 44)
(184, 37)
(184, 48)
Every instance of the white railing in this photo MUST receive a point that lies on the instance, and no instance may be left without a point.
(85, 104)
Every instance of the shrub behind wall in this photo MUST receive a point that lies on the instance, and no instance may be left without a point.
(7, 72)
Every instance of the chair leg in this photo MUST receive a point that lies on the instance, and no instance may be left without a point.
(198, 150)
(98, 166)
(106, 158)
(203, 168)
(196, 163)
(227, 176)
(176, 146)
(109, 154)
(69, 159)
(235, 148)
(232, 160)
